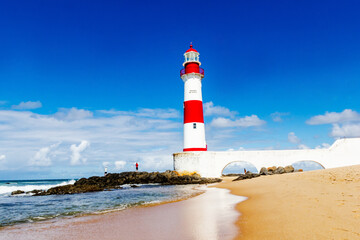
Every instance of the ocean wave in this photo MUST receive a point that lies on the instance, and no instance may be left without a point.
(30, 187)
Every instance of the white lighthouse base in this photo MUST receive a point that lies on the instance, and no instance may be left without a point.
(344, 152)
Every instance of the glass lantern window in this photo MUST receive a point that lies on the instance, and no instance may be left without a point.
(192, 56)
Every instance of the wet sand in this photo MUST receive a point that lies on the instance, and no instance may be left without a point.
(322, 204)
(207, 216)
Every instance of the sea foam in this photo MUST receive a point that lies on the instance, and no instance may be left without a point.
(30, 187)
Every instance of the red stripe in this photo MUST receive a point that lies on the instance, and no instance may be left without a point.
(193, 111)
(194, 149)
(192, 68)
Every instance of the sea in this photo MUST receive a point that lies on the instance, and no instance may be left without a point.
(26, 208)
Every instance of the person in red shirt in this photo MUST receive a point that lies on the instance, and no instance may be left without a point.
(137, 166)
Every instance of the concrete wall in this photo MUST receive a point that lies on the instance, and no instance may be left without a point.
(344, 152)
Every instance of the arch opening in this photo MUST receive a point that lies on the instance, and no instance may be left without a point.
(308, 165)
(237, 167)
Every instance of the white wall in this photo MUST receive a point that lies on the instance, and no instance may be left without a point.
(344, 152)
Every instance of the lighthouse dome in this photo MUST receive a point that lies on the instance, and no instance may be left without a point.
(191, 49)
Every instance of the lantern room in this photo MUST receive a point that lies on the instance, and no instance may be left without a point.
(191, 55)
(192, 63)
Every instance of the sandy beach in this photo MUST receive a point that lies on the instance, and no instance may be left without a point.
(322, 204)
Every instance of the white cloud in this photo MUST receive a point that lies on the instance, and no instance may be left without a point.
(247, 121)
(277, 116)
(347, 115)
(132, 136)
(27, 105)
(106, 164)
(76, 152)
(121, 136)
(239, 149)
(211, 110)
(344, 124)
(158, 113)
(72, 114)
(2, 162)
(345, 130)
(119, 165)
(323, 145)
(43, 156)
(146, 113)
(293, 138)
(303, 146)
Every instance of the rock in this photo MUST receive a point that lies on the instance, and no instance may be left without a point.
(134, 186)
(263, 171)
(17, 192)
(231, 175)
(289, 169)
(115, 180)
(247, 175)
(279, 170)
(267, 171)
(36, 191)
(271, 169)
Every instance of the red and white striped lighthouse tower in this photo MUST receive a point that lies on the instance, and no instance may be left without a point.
(194, 128)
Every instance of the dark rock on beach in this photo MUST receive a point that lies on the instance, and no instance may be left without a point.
(289, 169)
(115, 180)
(247, 175)
(231, 175)
(268, 171)
(36, 191)
(17, 192)
(279, 170)
(263, 171)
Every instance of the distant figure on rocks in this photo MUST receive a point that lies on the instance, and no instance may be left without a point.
(105, 172)
(137, 166)
(245, 170)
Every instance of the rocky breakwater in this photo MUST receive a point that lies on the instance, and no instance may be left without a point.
(115, 180)
(267, 171)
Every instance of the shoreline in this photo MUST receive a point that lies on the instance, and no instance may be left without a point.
(198, 190)
(319, 204)
(129, 199)
(195, 217)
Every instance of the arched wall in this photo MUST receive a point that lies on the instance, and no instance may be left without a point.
(344, 152)
(308, 161)
(245, 162)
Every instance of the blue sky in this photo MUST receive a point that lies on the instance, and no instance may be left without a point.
(84, 84)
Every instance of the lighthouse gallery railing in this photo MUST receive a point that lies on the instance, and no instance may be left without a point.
(182, 71)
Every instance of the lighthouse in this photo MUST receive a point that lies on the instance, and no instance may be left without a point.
(194, 128)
